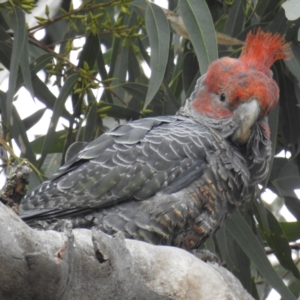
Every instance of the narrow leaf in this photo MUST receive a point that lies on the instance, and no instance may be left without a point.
(291, 230)
(18, 46)
(279, 243)
(38, 64)
(25, 67)
(91, 122)
(57, 113)
(43, 93)
(137, 90)
(89, 51)
(235, 20)
(224, 246)
(294, 62)
(34, 118)
(293, 205)
(17, 129)
(102, 71)
(121, 112)
(120, 72)
(159, 36)
(56, 147)
(243, 234)
(198, 21)
(113, 57)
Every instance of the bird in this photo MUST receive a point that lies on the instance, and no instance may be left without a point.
(173, 180)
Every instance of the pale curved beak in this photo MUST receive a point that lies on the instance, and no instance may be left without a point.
(245, 116)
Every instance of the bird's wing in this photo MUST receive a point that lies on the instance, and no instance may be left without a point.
(134, 161)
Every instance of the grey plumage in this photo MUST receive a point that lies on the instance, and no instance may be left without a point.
(166, 180)
(173, 180)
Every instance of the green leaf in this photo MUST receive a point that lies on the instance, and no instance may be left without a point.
(57, 113)
(34, 67)
(243, 234)
(140, 4)
(261, 6)
(34, 118)
(5, 48)
(293, 205)
(192, 86)
(236, 260)
(169, 100)
(89, 51)
(288, 105)
(294, 286)
(113, 58)
(55, 147)
(121, 112)
(190, 71)
(279, 243)
(236, 19)
(5, 51)
(137, 90)
(243, 263)
(120, 72)
(210, 245)
(38, 64)
(285, 176)
(25, 67)
(200, 27)
(43, 93)
(159, 36)
(225, 243)
(134, 67)
(143, 52)
(17, 129)
(18, 47)
(88, 55)
(51, 164)
(261, 214)
(291, 230)
(102, 71)
(34, 181)
(176, 82)
(294, 62)
(91, 122)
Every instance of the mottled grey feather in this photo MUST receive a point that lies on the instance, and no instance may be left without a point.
(165, 180)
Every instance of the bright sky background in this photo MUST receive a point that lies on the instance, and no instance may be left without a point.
(26, 105)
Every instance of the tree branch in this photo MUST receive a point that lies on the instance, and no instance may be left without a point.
(87, 264)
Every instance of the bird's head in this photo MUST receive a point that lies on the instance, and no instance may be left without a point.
(241, 90)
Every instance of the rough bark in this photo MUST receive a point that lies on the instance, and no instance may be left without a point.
(87, 264)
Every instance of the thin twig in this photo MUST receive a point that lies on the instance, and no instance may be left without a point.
(75, 11)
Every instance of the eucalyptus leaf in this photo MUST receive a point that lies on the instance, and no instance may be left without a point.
(57, 112)
(235, 20)
(291, 230)
(20, 34)
(34, 118)
(158, 30)
(199, 24)
(243, 234)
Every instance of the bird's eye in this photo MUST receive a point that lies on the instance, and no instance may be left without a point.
(223, 97)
